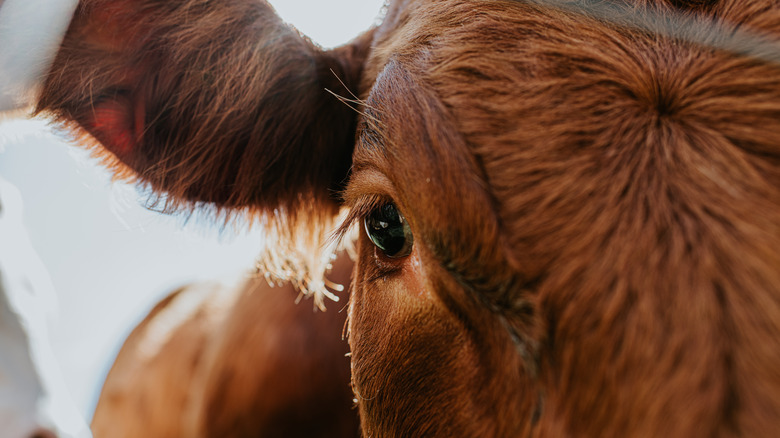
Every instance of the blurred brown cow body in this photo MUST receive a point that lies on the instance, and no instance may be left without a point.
(569, 211)
(232, 361)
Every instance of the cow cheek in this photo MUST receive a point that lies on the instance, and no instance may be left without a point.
(406, 352)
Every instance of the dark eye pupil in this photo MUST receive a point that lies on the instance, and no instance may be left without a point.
(389, 231)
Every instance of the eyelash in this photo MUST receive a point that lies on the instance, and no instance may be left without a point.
(360, 208)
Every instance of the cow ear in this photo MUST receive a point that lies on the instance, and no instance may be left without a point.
(211, 103)
(217, 105)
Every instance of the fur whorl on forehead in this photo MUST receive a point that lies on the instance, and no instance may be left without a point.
(213, 105)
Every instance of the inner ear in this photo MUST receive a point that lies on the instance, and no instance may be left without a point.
(117, 122)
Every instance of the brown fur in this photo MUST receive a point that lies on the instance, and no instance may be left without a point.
(241, 361)
(593, 190)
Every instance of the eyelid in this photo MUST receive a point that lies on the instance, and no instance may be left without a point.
(367, 178)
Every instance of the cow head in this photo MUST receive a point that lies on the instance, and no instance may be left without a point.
(568, 212)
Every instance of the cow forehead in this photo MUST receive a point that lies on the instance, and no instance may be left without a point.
(445, 116)
(509, 130)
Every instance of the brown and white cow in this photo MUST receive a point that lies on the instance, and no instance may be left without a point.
(569, 211)
(244, 360)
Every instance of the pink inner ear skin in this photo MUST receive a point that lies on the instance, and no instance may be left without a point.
(139, 125)
(115, 126)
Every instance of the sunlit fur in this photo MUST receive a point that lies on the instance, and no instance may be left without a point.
(595, 204)
(235, 362)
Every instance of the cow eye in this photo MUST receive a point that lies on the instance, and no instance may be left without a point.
(389, 231)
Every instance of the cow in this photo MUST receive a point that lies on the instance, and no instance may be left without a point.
(568, 211)
(34, 402)
(232, 360)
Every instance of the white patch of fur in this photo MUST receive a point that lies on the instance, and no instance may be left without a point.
(30, 35)
(32, 392)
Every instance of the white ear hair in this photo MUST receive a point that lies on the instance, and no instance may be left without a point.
(30, 35)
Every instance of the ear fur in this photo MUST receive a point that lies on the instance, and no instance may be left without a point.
(212, 104)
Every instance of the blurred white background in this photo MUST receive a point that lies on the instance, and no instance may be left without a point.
(109, 258)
